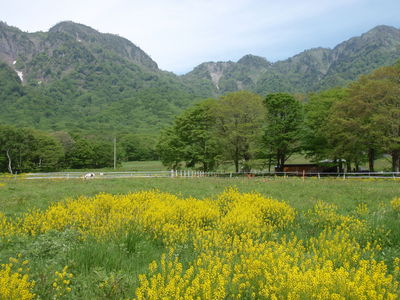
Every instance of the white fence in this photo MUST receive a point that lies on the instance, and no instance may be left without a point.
(194, 174)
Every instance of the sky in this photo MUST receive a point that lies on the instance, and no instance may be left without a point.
(181, 34)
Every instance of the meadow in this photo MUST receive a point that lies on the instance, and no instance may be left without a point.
(381, 164)
(200, 238)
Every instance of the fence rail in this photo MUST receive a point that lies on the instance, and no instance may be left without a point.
(194, 174)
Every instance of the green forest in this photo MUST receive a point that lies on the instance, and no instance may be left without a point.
(352, 125)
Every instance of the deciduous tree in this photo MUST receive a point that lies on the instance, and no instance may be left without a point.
(239, 120)
(283, 124)
(191, 138)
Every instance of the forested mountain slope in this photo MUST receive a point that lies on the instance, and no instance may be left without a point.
(74, 77)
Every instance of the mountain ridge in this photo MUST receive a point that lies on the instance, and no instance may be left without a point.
(78, 78)
(74, 77)
(310, 70)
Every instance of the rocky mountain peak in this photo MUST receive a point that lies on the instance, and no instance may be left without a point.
(72, 27)
(119, 45)
(254, 61)
(382, 30)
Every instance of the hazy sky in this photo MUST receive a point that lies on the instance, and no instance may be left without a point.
(180, 34)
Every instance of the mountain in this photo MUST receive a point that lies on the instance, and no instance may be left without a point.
(221, 77)
(311, 70)
(76, 78)
(64, 47)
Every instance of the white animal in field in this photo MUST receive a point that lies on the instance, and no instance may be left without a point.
(88, 176)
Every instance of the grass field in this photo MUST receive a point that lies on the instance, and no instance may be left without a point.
(382, 164)
(312, 239)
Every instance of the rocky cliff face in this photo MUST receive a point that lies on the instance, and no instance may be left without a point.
(311, 70)
(229, 76)
(94, 39)
(44, 56)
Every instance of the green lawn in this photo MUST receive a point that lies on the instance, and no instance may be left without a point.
(382, 164)
(129, 166)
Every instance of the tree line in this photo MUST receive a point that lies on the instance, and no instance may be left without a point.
(26, 150)
(349, 126)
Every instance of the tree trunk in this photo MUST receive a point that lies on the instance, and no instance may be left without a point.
(340, 165)
(371, 159)
(269, 164)
(395, 160)
(237, 165)
(236, 159)
(9, 162)
(280, 161)
(348, 166)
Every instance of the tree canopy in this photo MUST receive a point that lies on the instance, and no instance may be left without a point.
(282, 126)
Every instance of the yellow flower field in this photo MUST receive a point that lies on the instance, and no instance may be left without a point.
(242, 245)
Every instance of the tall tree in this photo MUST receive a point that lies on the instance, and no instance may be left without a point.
(239, 119)
(381, 88)
(191, 138)
(368, 122)
(170, 148)
(283, 124)
(195, 128)
(352, 126)
(317, 111)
